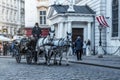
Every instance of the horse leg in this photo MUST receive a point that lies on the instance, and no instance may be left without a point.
(38, 56)
(35, 56)
(47, 57)
(55, 61)
(48, 60)
(69, 51)
(67, 62)
(50, 54)
(60, 58)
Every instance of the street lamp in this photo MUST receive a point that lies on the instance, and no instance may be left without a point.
(100, 29)
(100, 50)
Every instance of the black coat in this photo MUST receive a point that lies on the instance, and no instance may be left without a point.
(78, 44)
(36, 31)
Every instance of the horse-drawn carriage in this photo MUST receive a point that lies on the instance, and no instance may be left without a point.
(27, 47)
(48, 47)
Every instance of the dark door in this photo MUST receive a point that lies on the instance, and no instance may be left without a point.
(77, 32)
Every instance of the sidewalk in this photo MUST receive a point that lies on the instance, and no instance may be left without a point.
(1, 56)
(110, 61)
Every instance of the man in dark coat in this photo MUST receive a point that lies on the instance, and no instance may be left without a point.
(36, 31)
(78, 47)
(4, 48)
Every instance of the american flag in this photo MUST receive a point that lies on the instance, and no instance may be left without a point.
(102, 21)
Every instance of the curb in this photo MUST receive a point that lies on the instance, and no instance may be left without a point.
(101, 65)
(5, 56)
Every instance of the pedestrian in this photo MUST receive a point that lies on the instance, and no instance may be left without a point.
(1, 47)
(8, 48)
(36, 31)
(88, 47)
(13, 48)
(4, 48)
(73, 48)
(78, 47)
(84, 48)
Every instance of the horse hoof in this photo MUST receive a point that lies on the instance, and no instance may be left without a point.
(67, 64)
(60, 64)
(48, 64)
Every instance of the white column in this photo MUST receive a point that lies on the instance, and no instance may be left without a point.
(69, 28)
(88, 48)
(85, 33)
(65, 29)
(8, 29)
(60, 30)
(89, 31)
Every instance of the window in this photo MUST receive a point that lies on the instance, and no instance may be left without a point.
(42, 17)
(115, 18)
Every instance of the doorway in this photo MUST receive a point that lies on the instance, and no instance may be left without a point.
(77, 32)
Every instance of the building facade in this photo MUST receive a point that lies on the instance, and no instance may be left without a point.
(12, 15)
(111, 35)
(86, 25)
(36, 13)
(78, 20)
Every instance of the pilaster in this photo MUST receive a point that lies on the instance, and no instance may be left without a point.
(69, 28)
(60, 30)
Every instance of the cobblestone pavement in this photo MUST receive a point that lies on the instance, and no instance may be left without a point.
(10, 70)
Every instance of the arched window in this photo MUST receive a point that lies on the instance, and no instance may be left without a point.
(115, 18)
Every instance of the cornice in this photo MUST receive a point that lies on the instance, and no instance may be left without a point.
(72, 14)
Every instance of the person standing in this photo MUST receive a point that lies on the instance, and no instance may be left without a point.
(84, 48)
(88, 50)
(1, 47)
(4, 48)
(78, 47)
(73, 48)
(36, 31)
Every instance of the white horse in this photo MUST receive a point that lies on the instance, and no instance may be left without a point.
(43, 45)
(61, 46)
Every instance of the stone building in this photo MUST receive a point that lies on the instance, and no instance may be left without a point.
(80, 19)
(111, 35)
(12, 17)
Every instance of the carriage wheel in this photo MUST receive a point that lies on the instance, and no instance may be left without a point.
(18, 58)
(29, 57)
